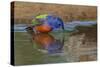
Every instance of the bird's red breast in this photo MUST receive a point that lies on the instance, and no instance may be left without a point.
(42, 28)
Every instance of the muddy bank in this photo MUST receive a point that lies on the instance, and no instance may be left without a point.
(24, 11)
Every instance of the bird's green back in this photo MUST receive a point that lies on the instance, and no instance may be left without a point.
(35, 21)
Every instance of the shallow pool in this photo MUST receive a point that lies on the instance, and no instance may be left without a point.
(57, 46)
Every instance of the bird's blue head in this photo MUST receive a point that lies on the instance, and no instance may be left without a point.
(54, 22)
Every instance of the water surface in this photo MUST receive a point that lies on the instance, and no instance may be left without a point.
(72, 45)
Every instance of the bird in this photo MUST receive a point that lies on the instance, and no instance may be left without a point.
(45, 23)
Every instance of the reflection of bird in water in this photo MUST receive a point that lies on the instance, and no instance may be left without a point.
(48, 42)
(46, 23)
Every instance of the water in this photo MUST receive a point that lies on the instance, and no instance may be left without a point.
(69, 26)
(57, 46)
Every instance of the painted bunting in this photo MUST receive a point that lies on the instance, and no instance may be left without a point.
(46, 23)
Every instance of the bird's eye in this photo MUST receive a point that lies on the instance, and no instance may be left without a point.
(59, 24)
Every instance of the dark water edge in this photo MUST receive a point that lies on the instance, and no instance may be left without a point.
(75, 46)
